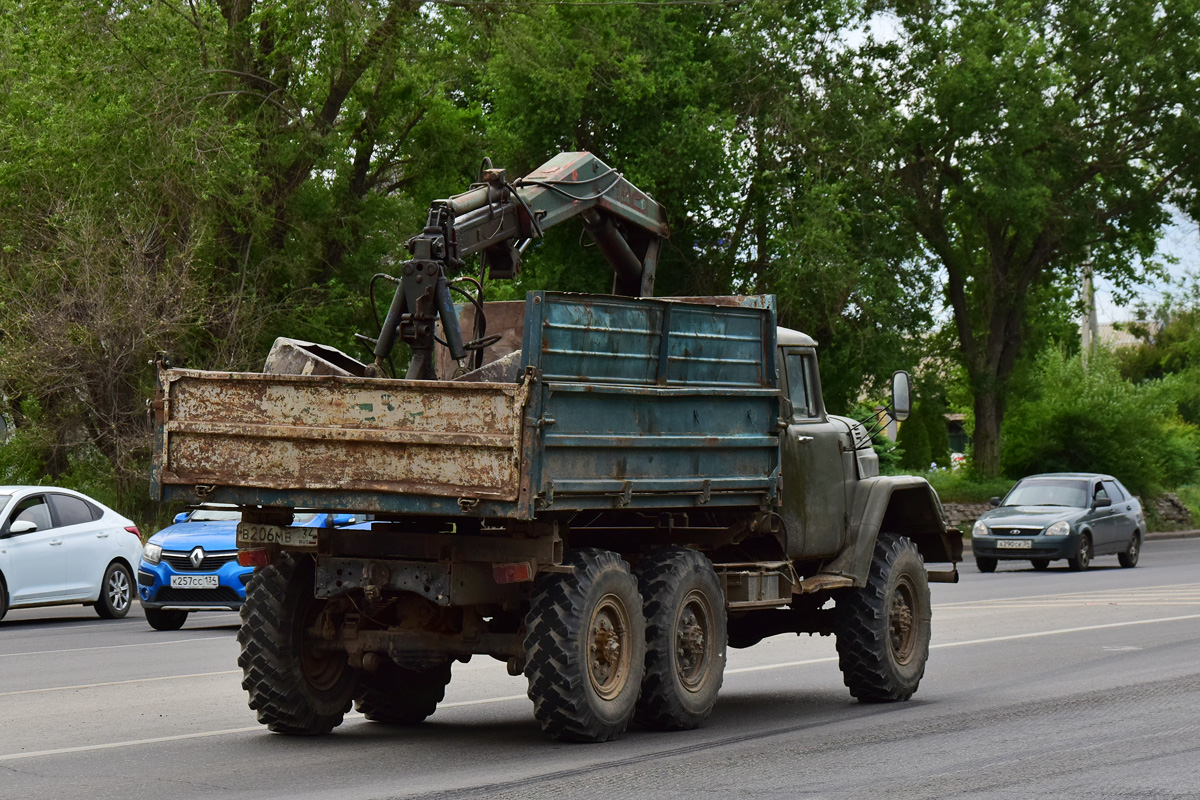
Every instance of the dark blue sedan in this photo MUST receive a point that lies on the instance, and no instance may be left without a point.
(193, 564)
(1071, 515)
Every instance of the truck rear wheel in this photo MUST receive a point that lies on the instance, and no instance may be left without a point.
(398, 696)
(883, 628)
(685, 639)
(585, 648)
(295, 687)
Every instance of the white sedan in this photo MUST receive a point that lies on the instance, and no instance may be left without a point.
(59, 547)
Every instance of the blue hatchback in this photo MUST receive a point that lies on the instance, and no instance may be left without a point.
(192, 565)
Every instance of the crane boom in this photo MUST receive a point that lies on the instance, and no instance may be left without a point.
(498, 219)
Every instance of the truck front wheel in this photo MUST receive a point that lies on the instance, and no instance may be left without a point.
(883, 628)
(685, 639)
(585, 647)
(294, 686)
(398, 696)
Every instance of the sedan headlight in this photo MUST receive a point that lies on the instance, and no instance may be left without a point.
(152, 553)
(980, 529)
(1060, 528)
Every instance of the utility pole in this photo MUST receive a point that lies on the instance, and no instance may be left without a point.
(1090, 328)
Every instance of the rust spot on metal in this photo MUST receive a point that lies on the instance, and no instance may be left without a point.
(356, 434)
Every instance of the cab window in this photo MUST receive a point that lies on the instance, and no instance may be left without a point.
(802, 385)
(1101, 493)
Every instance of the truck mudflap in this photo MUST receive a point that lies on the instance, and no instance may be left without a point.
(326, 432)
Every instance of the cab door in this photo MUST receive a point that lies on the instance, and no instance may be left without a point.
(37, 559)
(814, 487)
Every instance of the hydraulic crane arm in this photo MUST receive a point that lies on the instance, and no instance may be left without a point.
(498, 219)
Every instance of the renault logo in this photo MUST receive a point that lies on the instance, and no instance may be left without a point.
(197, 557)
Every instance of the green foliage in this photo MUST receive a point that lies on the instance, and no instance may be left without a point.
(202, 177)
(1026, 139)
(961, 486)
(913, 439)
(1190, 496)
(939, 437)
(1093, 420)
(924, 434)
(1170, 348)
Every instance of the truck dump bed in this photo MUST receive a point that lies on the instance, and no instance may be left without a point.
(620, 402)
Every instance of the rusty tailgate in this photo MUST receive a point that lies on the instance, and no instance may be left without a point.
(435, 438)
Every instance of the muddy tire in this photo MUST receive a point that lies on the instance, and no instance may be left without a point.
(1129, 558)
(398, 696)
(116, 592)
(985, 563)
(166, 619)
(685, 639)
(294, 688)
(585, 648)
(1083, 555)
(883, 628)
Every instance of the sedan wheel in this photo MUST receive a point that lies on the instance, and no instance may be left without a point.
(1130, 557)
(1083, 556)
(116, 592)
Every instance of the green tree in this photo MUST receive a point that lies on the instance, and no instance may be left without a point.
(1094, 420)
(913, 440)
(199, 177)
(1026, 138)
(1169, 346)
(715, 110)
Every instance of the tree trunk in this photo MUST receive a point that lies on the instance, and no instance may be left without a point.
(989, 414)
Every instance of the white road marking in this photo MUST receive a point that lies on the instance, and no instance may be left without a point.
(1174, 592)
(111, 646)
(121, 683)
(1038, 634)
(133, 743)
(484, 701)
(509, 698)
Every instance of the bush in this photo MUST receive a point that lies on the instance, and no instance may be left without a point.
(1092, 420)
(913, 439)
(960, 486)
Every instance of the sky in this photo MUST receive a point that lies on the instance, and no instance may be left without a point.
(1181, 240)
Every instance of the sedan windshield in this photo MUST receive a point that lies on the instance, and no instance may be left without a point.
(1044, 492)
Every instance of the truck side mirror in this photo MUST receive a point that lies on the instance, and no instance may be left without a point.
(901, 395)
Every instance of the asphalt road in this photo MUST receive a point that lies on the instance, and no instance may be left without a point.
(1040, 684)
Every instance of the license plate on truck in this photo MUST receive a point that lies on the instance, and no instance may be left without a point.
(1014, 544)
(250, 534)
(194, 582)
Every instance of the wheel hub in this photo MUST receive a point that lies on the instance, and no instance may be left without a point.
(691, 642)
(902, 629)
(608, 647)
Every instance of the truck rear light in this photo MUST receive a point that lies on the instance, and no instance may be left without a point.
(515, 572)
(253, 558)
(134, 530)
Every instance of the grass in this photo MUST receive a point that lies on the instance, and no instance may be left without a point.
(959, 486)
